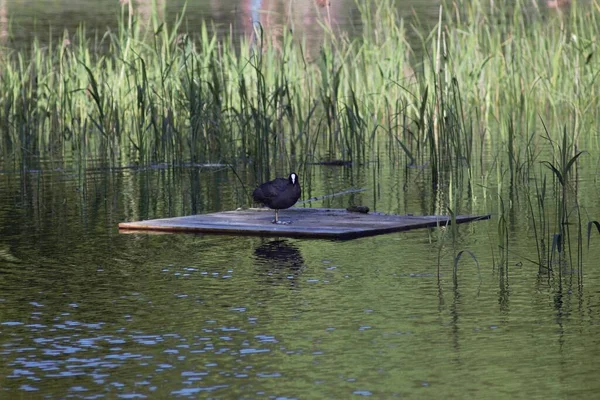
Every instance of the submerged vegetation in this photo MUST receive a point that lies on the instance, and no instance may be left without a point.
(482, 99)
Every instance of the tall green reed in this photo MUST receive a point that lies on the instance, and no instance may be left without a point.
(439, 98)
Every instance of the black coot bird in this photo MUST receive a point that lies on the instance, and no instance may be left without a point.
(278, 194)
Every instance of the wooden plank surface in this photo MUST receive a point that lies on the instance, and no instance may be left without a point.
(305, 222)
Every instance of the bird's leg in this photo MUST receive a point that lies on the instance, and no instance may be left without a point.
(278, 222)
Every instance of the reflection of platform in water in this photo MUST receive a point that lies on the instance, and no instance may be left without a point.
(305, 222)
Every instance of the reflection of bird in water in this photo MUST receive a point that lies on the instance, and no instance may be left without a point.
(280, 260)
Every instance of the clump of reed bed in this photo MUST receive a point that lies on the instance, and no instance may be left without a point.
(463, 100)
(171, 94)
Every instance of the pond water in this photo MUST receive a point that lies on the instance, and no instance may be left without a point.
(87, 312)
(22, 21)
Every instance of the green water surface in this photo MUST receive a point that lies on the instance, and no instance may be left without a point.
(87, 312)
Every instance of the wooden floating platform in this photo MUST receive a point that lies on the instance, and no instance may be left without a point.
(315, 223)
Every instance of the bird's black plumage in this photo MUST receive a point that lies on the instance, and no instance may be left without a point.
(279, 193)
